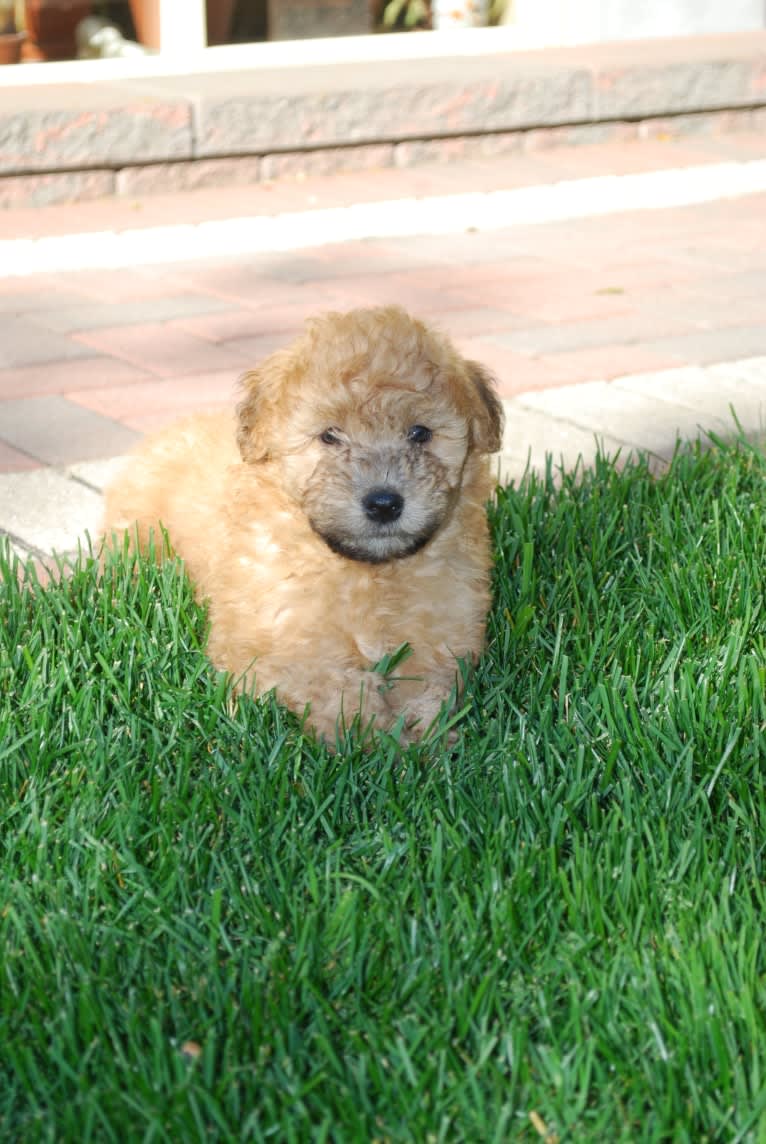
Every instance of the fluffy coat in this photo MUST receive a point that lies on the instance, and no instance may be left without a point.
(338, 515)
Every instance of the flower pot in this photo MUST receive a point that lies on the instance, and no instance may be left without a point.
(459, 14)
(10, 46)
(146, 20)
(51, 26)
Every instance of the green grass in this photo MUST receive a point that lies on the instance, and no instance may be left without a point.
(554, 929)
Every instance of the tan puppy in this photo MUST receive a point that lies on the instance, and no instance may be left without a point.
(340, 515)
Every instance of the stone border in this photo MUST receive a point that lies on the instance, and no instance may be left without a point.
(78, 141)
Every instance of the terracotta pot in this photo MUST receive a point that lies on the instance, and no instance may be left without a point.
(146, 18)
(51, 26)
(10, 46)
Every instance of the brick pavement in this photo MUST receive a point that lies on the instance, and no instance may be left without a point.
(629, 326)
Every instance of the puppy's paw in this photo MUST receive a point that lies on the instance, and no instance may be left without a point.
(362, 711)
(422, 715)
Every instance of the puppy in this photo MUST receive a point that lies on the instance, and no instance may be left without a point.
(338, 516)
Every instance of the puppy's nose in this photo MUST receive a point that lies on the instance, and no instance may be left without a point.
(383, 505)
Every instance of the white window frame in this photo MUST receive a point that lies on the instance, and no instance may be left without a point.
(183, 26)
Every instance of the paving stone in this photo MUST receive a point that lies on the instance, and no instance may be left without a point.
(148, 405)
(40, 286)
(47, 512)
(714, 125)
(92, 316)
(590, 332)
(58, 432)
(11, 460)
(752, 370)
(750, 280)
(414, 152)
(705, 307)
(39, 293)
(327, 160)
(90, 125)
(531, 437)
(709, 395)
(96, 474)
(263, 111)
(337, 261)
(136, 283)
(253, 350)
(189, 175)
(162, 350)
(633, 92)
(23, 343)
(236, 324)
(57, 187)
(515, 373)
(619, 155)
(469, 322)
(630, 417)
(60, 376)
(608, 362)
(707, 346)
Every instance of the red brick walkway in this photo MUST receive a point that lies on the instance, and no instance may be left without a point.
(89, 359)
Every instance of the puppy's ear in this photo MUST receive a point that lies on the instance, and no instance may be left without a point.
(489, 418)
(259, 409)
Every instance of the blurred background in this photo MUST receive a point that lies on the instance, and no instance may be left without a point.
(41, 30)
(66, 29)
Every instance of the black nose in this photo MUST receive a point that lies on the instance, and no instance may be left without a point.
(383, 505)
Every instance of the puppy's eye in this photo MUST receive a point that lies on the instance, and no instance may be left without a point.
(329, 437)
(419, 435)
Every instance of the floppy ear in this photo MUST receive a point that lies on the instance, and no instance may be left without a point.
(264, 390)
(489, 418)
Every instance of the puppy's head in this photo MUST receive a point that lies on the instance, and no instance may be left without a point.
(371, 418)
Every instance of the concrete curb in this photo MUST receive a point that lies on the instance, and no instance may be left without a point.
(80, 140)
(51, 509)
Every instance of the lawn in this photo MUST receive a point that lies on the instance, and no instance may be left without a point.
(212, 929)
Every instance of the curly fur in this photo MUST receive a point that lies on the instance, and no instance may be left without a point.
(309, 586)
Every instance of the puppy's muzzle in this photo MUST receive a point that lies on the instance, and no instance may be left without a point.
(383, 506)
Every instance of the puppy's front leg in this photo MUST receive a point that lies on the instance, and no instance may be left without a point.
(421, 691)
(335, 696)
